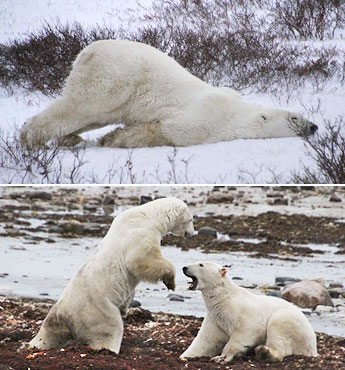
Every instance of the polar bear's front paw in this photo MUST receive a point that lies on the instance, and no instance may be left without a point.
(222, 359)
(30, 138)
(169, 281)
(218, 359)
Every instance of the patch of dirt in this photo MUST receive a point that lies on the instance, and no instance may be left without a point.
(151, 341)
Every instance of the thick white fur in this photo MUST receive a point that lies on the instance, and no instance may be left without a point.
(160, 103)
(91, 305)
(238, 320)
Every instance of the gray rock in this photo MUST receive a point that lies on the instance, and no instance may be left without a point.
(135, 303)
(175, 297)
(335, 199)
(336, 292)
(274, 293)
(145, 199)
(55, 229)
(336, 285)
(207, 230)
(283, 280)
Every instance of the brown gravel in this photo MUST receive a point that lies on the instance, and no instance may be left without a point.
(151, 341)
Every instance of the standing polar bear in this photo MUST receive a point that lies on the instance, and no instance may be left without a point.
(89, 310)
(238, 320)
(160, 103)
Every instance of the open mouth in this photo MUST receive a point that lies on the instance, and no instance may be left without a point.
(192, 284)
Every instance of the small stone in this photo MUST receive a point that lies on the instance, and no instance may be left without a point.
(135, 304)
(336, 292)
(274, 195)
(55, 229)
(335, 199)
(175, 297)
(274, 293)
(281, 201)
(89, 208)
(207, 230)
(336, 285)
(283, 280)
(145, 199)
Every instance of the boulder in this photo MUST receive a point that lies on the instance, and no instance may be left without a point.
(307, 294)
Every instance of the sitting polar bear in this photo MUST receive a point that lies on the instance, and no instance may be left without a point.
(160, 103)
(91, 305)
(238, 320)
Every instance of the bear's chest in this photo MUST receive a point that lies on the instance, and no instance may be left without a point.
(220, 315)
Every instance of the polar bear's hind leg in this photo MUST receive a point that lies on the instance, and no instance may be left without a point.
(136, 136)
(54, 333)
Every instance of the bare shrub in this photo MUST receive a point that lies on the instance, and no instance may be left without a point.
(327, 150)
(42, 61)
(307, 18)
(224, 42)
(41, 165)
(232, 43)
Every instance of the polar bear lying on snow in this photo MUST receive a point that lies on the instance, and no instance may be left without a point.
(238, 320)
(160, 103)
(91, 305)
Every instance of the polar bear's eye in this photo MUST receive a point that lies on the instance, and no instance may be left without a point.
(264, 117)
(201, 265)
(294, 118)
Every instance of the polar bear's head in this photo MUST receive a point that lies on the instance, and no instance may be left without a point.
(174, 216)
(280, 123)
(205, 274)
(181, 220)
(274, 123)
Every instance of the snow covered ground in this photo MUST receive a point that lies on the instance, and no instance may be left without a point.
(239, 161)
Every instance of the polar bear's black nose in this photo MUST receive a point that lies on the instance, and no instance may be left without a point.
(313, 128)
(187, 235)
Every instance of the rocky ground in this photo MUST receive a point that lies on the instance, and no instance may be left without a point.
(277, 223)
(151, 341)
(74, 213)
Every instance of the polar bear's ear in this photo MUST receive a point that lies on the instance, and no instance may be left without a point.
(223, 272)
